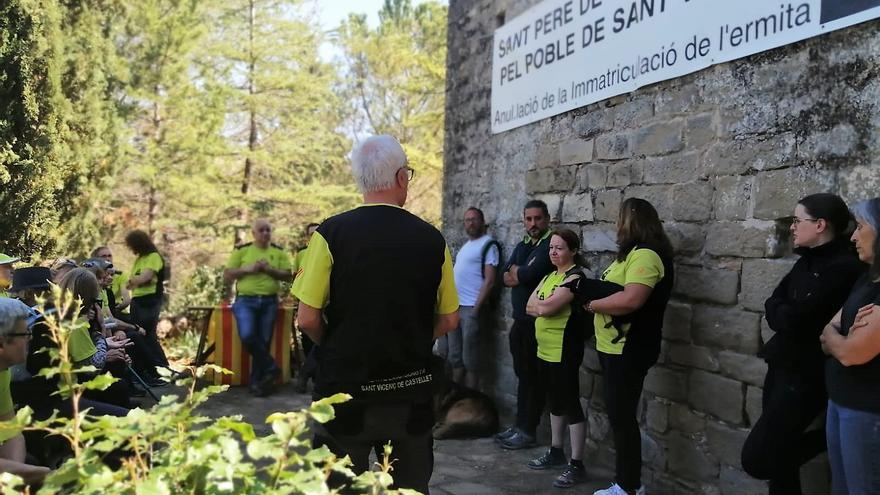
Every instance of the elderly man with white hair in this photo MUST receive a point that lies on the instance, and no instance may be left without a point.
(14, 337)
(376, 289)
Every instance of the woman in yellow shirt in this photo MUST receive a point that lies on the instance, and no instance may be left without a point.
(630, 344)
(559, 330)
(145, 283)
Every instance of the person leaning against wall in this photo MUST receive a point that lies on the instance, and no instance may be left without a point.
(794, 388)
(852, 373)
(627, 350)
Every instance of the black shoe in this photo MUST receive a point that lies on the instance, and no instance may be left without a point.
(504, 435)
(571, 476)
(519, 440)
(136, 390)
(256, 390)
(155, 382)
(267, 383)
(553, 458)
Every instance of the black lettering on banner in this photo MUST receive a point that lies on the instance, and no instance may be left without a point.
(788, 17)
(638, 11)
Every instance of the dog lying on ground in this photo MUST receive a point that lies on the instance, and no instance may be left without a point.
(461, 412)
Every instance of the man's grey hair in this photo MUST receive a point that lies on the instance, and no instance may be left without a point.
(375, 163)
(11, 312)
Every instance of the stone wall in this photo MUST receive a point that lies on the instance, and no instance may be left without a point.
(723, 154)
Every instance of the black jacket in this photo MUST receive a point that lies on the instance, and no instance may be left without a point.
(533, 261)
(805, 301)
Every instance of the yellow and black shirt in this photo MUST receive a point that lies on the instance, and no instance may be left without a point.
(560, 336)
(380, 274)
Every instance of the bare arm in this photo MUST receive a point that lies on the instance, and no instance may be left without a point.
(486, 288)
(510, 276)
(12, 455)
(233, 274)
(632, 297)
(553, 304)
(445, 323)
(283, 275)
(138, 280)
(861, 345)
(309, 320)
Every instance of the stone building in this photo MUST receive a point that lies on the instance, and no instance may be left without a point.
(724, 154)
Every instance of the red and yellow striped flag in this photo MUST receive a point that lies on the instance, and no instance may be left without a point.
(230, 354)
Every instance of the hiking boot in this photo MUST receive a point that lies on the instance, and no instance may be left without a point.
(571, 476)
(551, 459)
(615, 489)
(504, 435)
(519, 440)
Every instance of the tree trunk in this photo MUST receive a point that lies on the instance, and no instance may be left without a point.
(253, 137)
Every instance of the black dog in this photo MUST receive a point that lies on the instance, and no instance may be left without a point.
(589, 289)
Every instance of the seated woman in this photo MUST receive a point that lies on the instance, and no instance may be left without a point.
(14, 337)
(559, 330)
(852, 374)
(806, 298)
(88, 345)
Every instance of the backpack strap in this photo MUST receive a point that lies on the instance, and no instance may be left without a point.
(485, 254)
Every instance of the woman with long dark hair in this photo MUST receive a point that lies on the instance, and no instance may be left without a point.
(806, 298)
(559, 331)
(852, 373)
(628, 327)
(146, 285)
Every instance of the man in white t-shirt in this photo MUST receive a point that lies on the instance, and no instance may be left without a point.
(474, 269)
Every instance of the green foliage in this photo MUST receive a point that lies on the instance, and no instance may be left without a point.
(204, 288)
(174, 449)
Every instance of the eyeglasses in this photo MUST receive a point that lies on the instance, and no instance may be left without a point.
(27, 334)
(410, 173)
(796, 221)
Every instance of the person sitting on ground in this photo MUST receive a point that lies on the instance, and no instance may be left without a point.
(559, 330)
(6, 271)
(14, 336)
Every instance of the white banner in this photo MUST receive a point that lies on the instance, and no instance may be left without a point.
(564, 54)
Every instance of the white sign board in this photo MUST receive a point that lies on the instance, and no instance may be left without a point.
(564, 54)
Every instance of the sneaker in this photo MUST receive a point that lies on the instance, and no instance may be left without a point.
(504, 435)
(615, 489)
(551, 459)
(519, 440)
(571, 476)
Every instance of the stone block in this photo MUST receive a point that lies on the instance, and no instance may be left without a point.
(683, 419)
(547, 156)
(591, 360)
(550, 179)
(749, 239)
(859, 181)
(759, 279)
(585, 383)
(777, 192)
(633, 113)
(598, 425)
(607, 207)
(716, 395)
(726, 328)
(704, 284)
(659, 139)
(592, 176)
(677, 322)
(686, 238)
(653, 452)
(735, 157)
(672, 101)
(667, 383)
(591, 123)
(766, 331)
(725, 443)
(700, 130)
(753, 404)
(613, 146)
(733, 196)
(692, 201)
(693, 357)
(657, 416)
(688, 459)
(575, 151)
(743, 367)
(747, 118)
(672, 169)
(599, 237)
(577, 208)
(841, 140)
(554, 202)
(658, 195)
(619, 175)
(732, 481)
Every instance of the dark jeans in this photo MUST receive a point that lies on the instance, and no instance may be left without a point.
(145, 313)
(779, 442)
(255, 318)
(530, 392)
(853, 450)
(382, 423)
(624, 377)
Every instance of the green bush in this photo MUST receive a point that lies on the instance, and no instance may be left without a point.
(204, 288)
(173, 449)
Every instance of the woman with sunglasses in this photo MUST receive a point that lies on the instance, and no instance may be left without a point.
(806, 298)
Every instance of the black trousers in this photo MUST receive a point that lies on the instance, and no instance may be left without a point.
(530, 391)
(145, 313)
(779, 443)
(624, 377)
(412, 444)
